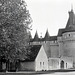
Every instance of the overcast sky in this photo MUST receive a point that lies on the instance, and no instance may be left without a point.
(49, 14)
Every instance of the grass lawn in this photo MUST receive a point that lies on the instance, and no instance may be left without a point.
(34, 73)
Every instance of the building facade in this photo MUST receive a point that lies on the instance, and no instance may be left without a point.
(37, 60)
(62, 46)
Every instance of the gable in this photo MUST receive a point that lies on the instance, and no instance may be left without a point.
(47, 49)
(41, 55)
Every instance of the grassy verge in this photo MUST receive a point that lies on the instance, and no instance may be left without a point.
(38, 72)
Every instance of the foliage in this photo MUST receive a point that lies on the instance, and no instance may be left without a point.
(14, 26)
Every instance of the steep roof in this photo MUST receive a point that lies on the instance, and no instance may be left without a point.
(71, 20)
(60, 32)
(47, 36)
(36, 37)
(34, 49)
(47, 49)
(70, 26)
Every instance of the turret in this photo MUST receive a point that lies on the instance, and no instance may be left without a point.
(47, 36)
(71, 20)
(36, 37)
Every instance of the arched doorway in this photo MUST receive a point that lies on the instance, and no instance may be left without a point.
(62, 64)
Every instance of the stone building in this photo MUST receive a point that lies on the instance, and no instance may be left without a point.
(62, 46)
(51, 52)
(37, 60)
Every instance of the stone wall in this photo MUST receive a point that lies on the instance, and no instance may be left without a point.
(54, 47)
(27, 66)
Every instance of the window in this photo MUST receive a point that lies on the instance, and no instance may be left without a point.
(69, 34)
(43, 63)
(66, 65)
(40, 64)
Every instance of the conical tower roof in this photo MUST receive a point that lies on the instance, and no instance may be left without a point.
(47, 36)
(70, 27)
(71, 20)
(36, 37)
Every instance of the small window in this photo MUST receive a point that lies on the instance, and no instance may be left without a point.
(69, 34)
(43, 63)
(40, 63)
(66, 65)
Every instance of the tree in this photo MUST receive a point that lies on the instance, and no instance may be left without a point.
(14, 26)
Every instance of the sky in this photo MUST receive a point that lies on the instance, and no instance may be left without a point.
(49, 14)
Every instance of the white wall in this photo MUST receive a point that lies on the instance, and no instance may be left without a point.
(41, 60)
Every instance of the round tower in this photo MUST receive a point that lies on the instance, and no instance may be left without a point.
(67, 38)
